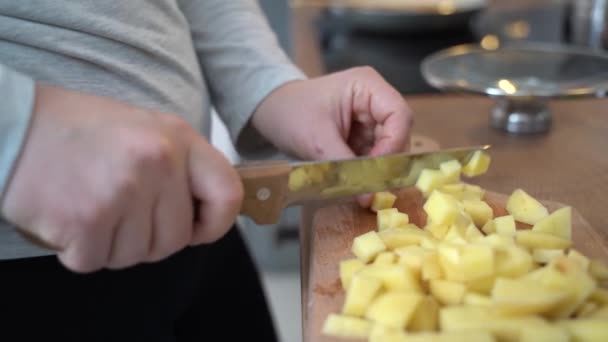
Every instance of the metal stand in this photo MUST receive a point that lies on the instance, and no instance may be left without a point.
(521, 116)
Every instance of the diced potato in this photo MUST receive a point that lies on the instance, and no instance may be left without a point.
(477, 165)
(505, 225)
(598, 270)
(399, 336)
(513, 261)
(298, 179)
(462, 219)
(441, 208)
(587, 330)
(347, 269)
(413, 257)
(600, 296)
(385, 258)
(489, 227)
(524, 297)
(586, 309)
(545, 333)
(480, 318)
(456, 235)
(383, 200)
(447, 292)
(402, 236)
(601, 313)
(580, 259)
(431, 269)
(451, 170)
(479, 211)
(535, 240)
(367, 246)
(455, 189)
(430, 180)
(472, 234)
(476, 299)
(438, 231)
(426, 316)
(393, 277)
(481, 286)
(498, 241)
(360, 294)
(525, 208)
(346, 327)
(466, 263)
(381, 333)
(394, 309)
(384, 218)
(544, 256)
(429, 243)
(559, 223)
(565, 275)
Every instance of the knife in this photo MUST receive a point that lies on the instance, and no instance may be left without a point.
(273, 186)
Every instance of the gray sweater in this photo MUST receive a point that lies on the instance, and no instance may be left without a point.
(180, 56)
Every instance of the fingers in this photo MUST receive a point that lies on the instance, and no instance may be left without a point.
(373, 98)
(217, 186)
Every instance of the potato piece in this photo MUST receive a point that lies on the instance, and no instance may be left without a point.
(346, 327)
(479, 318)
(477, 165)
(426, 316)
(438, 231)
(524, 297)
(384, 218)
(559, 223)
(399, 336)
(600, 296)
(545, 333)
(383, 200)
(586, 309)
(587, 330)
(348, 268)
(466, 263)
(481, 286)
(451, 170)
(580, 259)
(498, 241)
(601, 313)
(454, 189)
(447, 292)
(360, 294)
(394, 309)
(430, 180)
(489, 227)
(456, 235)
(441, 208)
(385, 258)
(472, 234)
(298, 179)
(598, 270)
(431, 268)
(479, 211)
(394, 238)
(393, 277)
(525, 208)
(367, 246)
(477, 299)
(535, 240)
(505, 225)
(545, 256)
(512, 261)
(429, 243)
(413, 257)
(381, 333)
(565, 275)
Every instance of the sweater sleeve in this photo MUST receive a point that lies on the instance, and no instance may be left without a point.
(241, 60)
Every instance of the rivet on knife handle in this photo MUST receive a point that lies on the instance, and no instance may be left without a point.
(265, 192)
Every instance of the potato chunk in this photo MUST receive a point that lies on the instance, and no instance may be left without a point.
(559, 223)
(447, 292)
(441, 208)
(394, 309)
(346, 327)
(524, 297)
(479, 211)
(430, 180)
(477, 165)
(348, 268)
(525, 208)
(360, 294)
(367, 246)
(383, 200)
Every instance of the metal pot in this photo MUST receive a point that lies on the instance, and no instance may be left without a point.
(588, 21)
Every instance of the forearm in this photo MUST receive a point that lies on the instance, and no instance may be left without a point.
(239, 55)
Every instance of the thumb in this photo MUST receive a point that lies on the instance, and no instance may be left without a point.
(218, 191)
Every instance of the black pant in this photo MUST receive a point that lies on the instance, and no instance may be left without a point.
(207, 293)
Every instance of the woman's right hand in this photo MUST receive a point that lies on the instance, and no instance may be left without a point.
(111, 185)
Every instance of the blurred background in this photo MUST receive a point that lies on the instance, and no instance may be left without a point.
(323, 36)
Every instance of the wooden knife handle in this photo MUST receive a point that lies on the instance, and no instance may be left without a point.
(266, 190)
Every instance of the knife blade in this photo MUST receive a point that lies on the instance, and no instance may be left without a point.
(274, 185)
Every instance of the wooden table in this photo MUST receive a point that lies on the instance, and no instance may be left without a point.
(567, 165)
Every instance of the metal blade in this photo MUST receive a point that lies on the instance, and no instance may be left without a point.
(340, 178)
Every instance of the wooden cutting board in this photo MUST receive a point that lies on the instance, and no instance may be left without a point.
(335, 226)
